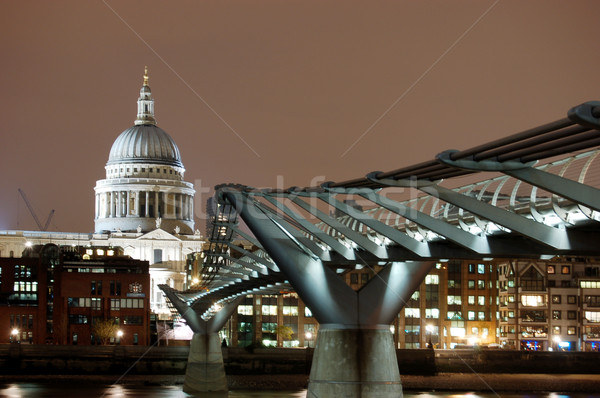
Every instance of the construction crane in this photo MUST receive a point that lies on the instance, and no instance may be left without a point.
(37, 220)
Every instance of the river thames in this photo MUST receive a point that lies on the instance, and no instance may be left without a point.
(69, 390)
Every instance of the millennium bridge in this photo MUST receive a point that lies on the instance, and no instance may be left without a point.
(534, 194)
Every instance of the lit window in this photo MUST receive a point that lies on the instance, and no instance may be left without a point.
(433, 313)
(471, 300)
(481, 268)
(307, 312)
(481, 315)
(412, 313)
(556, 330)
(551, 269)
(100, 252)
(454, 300)
(556, 299)
(432, 279)
(571, 330)
(591, 316)
(565, 269)
(471, 315)
(480, 284)
(481, 300)
(530, 300)
(471, 284)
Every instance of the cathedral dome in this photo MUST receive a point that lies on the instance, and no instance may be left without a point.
(145, 143)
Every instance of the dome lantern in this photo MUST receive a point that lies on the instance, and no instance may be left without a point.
(145, 104)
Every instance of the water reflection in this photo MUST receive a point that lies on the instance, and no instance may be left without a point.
(72, 390)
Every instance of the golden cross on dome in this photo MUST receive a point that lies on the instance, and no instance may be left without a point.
(145, 76)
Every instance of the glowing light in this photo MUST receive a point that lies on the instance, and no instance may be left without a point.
(14, 332)
(28, 244)
(119, 333)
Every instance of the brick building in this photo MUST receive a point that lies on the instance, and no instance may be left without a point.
(55, 295)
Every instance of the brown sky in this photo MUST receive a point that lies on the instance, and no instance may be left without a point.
(253, 90)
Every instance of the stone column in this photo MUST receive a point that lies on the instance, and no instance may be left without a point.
(112, 204)
(128, 206)
(156, 205)
(180, 207)
(137, 203)
(147, 205)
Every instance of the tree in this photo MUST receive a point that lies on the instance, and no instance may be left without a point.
(285, 332)
(104, 330)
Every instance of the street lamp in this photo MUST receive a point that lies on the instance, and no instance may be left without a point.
(14, 335)
(308, 336)
(429, 329)
(119, 335)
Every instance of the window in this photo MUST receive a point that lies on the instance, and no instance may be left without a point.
(530, 300)
(432, 280)
(132, 320)
(158, 256)
(475, 331)
(571, 314)
(556, 299)
(565, 269)
(244, 309)
(511, 314)
(556, 314)
(572, 299)
(269, 310)
(589, 284)
(481, 315)
(511, 298)
(412, 313)
(551, 269)
(481, 300)
(115, 304)
(471, 284)
(471, 315)
(364, 278)
(480, 284)
(471, 300)
(481, 268)
(307, 312)
(354, 279)
(132, 303)
(471, 268)
(556, 330)
(433, 313)
(454, 300)
(571, 330)
(591, 316)
(96, 303)
(290, 310)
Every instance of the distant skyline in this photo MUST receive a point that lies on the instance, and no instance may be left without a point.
(275, 92)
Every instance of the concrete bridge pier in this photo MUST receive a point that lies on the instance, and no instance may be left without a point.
(205, 371)
(354, 363)
(205, 374)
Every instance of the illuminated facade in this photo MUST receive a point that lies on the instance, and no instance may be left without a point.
(550, 305)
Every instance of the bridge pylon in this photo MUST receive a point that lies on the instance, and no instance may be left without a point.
(354, 353)
(205, 373)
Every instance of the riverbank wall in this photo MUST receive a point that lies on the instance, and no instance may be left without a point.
(135, 360)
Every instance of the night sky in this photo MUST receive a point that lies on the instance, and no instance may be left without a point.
(269, 93)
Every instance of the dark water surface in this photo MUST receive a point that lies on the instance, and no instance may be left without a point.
(79, 390)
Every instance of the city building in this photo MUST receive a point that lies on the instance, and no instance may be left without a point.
(550, 305)
(54, 295)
